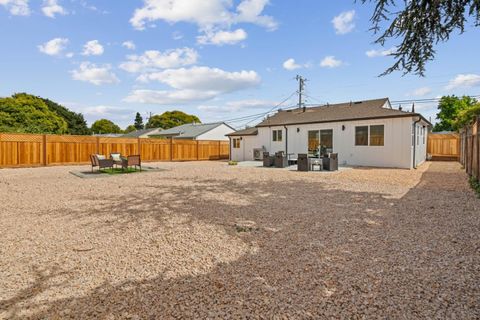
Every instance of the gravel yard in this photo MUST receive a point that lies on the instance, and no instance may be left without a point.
(208, 240)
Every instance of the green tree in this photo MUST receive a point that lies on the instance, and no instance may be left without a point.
(130, 128)
(170, 119)
(420, 26)
(138, 124)
(105, 126)
(26, 113)
(449, 109)
(467, 116)
(75, 121)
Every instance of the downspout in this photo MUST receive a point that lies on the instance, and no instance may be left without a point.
(286, 141)
(415, 141)
(230, 146)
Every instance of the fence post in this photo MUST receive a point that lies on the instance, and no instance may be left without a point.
(44, 147)
(219, 150)
(171, 149)
(478, 147)
(140, 148)
(198, 158)
(98, 145)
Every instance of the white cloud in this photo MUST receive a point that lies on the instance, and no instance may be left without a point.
(330, 62)
(380, 53)
(51, 8)
(152, 60)
(222, 37)
(235, 106)
(343, 23)
(211, 16)
(290, 64)
(16, 7)
(205, 14)
(92, 73)
(193, 84)
(129, 45)
(105, 111)
(54, 47)
(92, 48)
(464, 80)
(420, 92)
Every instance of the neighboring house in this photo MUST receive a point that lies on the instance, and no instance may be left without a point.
(197, 131)
(143, 133)
(363, 133)
(108, 135)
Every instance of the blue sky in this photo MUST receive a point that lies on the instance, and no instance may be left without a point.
(218, 59)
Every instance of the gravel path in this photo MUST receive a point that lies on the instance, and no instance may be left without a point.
(206, 240)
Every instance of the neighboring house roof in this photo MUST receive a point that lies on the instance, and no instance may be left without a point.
(108, 135)
(348, 111)
(245, 132)
(189, 130)
(139, 133)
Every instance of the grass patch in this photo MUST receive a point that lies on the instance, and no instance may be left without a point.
(119, 171)
(475, 184)
(232, 163)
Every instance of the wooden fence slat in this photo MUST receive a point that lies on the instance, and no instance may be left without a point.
(444, 146)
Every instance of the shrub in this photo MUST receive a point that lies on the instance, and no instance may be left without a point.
(475, 184)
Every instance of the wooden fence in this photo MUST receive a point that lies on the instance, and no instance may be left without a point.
(28, 150)
(444, 146)
(470, 149)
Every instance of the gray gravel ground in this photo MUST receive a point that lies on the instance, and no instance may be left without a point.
(205, 240)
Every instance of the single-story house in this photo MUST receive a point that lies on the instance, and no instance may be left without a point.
(143, 133)
(197, 131)
(363, 133)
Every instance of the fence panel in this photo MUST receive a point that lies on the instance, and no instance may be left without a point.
(444, 146)
(155, 149)
(28, 150)
(70, 149)
(21, 150)
(470, 154)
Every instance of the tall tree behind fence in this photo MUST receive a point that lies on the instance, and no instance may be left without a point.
(470, 149)
(28, 150)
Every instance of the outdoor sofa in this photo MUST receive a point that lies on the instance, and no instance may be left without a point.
(99, 160)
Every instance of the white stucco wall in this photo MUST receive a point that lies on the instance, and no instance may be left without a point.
(218, 133)
(396, 151)
(245, 152)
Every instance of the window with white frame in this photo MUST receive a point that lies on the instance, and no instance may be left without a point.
(277, 135)
(373, 135)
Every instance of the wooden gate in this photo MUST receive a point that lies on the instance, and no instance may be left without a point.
(444, 146)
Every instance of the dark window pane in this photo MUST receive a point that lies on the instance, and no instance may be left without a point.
(274, 135)
(377, 135)
(361, 136)
(326, 138)
(279, 135)
(313, 143)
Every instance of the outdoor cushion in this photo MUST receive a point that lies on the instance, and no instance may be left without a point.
(116, 156)
(100, 157)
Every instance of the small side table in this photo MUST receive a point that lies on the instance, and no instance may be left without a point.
(316, 163)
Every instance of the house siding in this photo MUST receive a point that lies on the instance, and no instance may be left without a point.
(217, 133)
(397, 150)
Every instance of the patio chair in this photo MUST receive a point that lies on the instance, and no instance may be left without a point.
(280, 160)
(99, 160)
(133, 160)
(117, 158)
(268, 160)
(302, 162)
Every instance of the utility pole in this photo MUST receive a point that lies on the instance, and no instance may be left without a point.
(301, 86)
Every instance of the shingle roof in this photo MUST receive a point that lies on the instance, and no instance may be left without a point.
(245, 132)
(138, 133)
(189, 131)
(368, 109)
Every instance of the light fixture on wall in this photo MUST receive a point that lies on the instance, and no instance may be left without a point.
(241, 138)
(298, 129)
(343, 127)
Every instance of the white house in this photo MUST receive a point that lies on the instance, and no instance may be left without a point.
(363, 133)
(197, 131)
